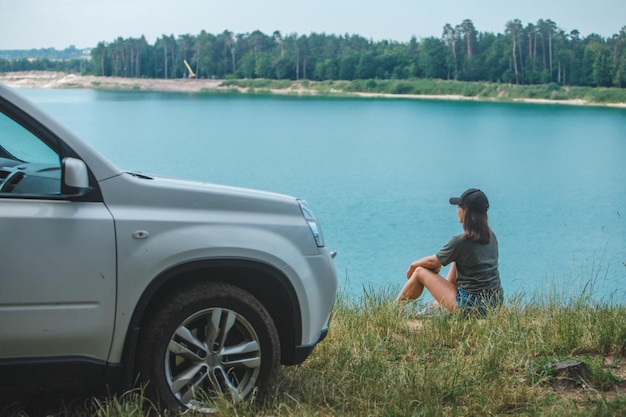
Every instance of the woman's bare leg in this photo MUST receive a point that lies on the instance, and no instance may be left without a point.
(442, 290)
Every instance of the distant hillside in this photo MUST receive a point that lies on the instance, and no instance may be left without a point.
(47, 53)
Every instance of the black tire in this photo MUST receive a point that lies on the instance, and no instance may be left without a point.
(207, 340)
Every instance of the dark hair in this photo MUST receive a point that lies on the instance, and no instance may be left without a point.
(476, 226)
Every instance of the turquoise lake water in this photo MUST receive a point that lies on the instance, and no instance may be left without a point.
(379, 172)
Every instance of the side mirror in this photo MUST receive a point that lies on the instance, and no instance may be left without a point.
(75, 177)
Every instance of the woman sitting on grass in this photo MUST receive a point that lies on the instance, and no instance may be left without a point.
(473, 283)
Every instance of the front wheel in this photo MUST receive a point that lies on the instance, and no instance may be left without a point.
(207, 340)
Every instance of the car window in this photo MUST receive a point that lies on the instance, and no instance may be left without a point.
(27, 164)
(22, 144)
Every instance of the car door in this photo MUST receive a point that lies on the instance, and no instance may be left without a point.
(57, 256)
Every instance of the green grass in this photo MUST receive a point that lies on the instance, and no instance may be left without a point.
(476, 90)
(381, 359)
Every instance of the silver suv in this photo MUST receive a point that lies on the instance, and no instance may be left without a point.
(192, 289)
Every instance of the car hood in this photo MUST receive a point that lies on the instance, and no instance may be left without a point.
(166, 192)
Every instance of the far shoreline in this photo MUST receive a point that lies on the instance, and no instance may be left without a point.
(60, 80)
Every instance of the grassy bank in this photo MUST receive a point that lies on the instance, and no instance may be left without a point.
(384, 360)
(426, 87)
(414, 88)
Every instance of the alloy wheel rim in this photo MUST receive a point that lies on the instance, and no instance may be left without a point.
(213, 352)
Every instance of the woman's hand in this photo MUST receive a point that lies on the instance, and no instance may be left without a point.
(428, 262)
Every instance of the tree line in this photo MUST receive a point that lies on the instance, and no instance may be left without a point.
(66, 54)
(535, 53)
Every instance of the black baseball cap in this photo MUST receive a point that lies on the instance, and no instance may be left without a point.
(473, 199)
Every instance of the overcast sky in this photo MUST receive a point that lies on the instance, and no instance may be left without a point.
(26, 24)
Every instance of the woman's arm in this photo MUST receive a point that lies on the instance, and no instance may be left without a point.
(429, 262)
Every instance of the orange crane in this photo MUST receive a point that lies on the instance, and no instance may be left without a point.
(191, 73)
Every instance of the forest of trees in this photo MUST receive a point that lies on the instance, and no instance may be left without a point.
(539, 53)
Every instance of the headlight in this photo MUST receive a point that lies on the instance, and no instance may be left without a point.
(313, 224)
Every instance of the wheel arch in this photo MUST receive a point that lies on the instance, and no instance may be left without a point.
(269, 285)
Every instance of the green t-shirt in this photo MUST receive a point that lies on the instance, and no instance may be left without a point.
(476, 263)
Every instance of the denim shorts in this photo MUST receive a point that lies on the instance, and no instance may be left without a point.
(479, 304)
